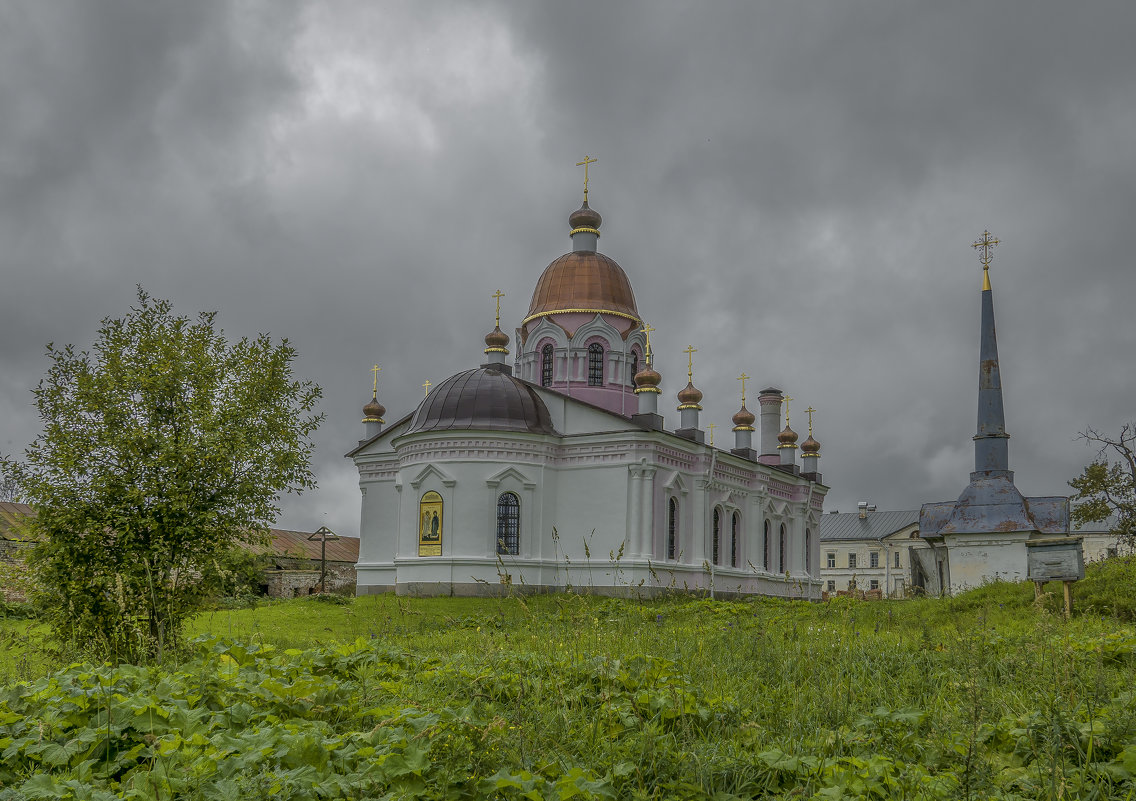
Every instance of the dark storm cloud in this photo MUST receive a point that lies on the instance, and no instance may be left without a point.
(792, 188)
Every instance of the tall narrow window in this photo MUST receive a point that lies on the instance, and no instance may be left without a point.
(782, 564)
(546, 366)
(897, 558)
(634, 367)
(808, 549)
(430, 525)
(735, 526)
(874, 559)
(508, 524)
(672, 528)
(717, 534)
(595, 365)
(765, 548)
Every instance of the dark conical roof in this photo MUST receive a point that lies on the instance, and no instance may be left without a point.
(482, 399)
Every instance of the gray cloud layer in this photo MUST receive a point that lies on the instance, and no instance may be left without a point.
(792, 188)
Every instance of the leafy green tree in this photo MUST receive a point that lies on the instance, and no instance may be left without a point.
(9, 484)
(1107, 487)
(162, 448)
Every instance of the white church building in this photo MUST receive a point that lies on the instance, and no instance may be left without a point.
(556, 472)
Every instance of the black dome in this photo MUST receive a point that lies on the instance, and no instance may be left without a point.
(482, 399)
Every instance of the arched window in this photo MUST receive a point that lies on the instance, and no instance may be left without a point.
(595, 365)
(430, 525)
(808, 548)
(546, 366)
(782, 567)
(672, 528)
(634, 367)
(717, 533)
(735, 525)
(765, 548)
(508, 523)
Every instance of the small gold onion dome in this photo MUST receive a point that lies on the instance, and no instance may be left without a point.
(744, 417)
(647, 377)
(689, 394)
(787, 437)
(497, 338)
(810, 445)
(374, 410)
(585, 217)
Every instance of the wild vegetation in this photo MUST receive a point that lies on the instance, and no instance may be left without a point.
(162, 447)
(986, 695)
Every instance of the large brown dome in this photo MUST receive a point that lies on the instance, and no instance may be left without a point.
(583, 281)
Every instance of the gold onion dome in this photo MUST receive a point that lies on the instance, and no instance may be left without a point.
(374, 410)
(585, 217)
(787, 437)
(647, 377)
(689, 395)
(744, 418)
(810, 445)
(497, 339)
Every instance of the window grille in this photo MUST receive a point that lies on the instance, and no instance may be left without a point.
(595, 365)
(508, 524)
(546, 366)
(672, 529)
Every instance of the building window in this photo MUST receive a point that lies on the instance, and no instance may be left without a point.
(874, 584)
(717, 534)
(782, 552)
(897, 558)
(672, 528)
(634, 367)
(831, 585)
(852, 561)
(874, 559)
(546, 366)
(430, 525)
(508, 523)
(734, 526)
(830, 559)
(808, 548)
(595, 365)
(765, 547)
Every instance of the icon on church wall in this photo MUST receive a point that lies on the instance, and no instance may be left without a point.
(430, 525)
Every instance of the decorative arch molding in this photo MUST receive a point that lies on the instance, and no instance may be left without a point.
(675, 484)
(546, 329)
(593, 331)
(513, 473)
(431, 471)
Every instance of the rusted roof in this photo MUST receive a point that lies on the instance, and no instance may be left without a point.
(285, 543)
(10, 513)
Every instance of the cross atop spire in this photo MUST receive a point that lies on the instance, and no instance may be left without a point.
(498, 295)
(690, 351)
(809, 411)
(712, 426)
(743, 378)
(585, 164)
(985, 247)
(427, 386)
(787, 399)
(375, 389)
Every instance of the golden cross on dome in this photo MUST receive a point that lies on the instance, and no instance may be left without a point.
(743, 378)
(585, 164)
(646, 329)
(810, 411)
(427, 386)
(690, 351)
(787, 399)
(375, 389)
(498, 295)
(712, 426)
(985, 256)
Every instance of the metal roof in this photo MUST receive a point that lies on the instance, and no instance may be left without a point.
(874, 526)
(292, 543)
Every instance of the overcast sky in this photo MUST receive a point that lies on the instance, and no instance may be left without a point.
(792, 188)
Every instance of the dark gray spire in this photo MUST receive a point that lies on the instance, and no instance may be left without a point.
(991, 454)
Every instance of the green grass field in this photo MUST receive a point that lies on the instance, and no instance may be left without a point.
(986, 695)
